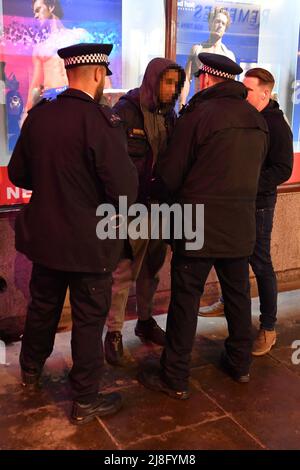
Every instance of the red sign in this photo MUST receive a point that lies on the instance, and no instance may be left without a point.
(9, 194)
(295, 178)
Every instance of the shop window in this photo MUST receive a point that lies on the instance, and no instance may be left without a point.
(256, 33)
(32, 32)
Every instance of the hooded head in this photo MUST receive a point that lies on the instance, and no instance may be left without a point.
(162, 84)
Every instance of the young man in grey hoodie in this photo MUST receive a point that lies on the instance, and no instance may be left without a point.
(149, 118)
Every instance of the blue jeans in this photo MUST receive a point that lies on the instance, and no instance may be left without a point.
(262, 266)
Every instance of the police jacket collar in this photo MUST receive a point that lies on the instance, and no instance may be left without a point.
(74, 93)
(229, 88)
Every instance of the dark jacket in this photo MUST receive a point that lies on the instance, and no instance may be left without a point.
(72, 154)
(214, 158)
(129, 109)
(278, 165)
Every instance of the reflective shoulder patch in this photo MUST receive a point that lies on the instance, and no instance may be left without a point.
(112, 118)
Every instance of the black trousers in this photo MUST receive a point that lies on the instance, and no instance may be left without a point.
(188, 276)
(90, 297)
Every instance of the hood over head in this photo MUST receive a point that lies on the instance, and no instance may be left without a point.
(149, 90)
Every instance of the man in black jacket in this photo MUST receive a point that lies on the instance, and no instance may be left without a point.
(214, 159)
(277, 169)
(148, 116)
(72, 154)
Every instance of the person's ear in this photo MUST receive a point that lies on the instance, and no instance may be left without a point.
(97, 74)
(51, 9)
(207, 80)
(201, 81)
(100, 73)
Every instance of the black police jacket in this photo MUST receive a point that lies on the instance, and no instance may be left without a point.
(72, 153)
(214, 158)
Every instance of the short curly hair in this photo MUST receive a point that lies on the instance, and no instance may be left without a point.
(58, 11)
(216, 11)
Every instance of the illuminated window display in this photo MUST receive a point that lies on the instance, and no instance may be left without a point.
(31, 32)
(259, 33)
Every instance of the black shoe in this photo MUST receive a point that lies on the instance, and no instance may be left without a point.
(150, 331)
(229, 369)
(104, 405)
(30, 379)
(153, 381)
(113, 348)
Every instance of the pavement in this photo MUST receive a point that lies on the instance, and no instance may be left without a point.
(220, 415)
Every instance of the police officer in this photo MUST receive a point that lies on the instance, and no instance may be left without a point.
(214, 158)
(72, 154)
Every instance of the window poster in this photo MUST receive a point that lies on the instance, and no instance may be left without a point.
(30, 69)
(223, 27)
(296, 120)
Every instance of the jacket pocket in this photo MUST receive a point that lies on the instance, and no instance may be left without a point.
(138, 144)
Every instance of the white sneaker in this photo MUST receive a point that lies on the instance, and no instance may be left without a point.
(214, 310)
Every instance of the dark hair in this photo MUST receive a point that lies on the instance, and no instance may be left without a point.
(264, 76)
(216, 11)
(58, 11)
